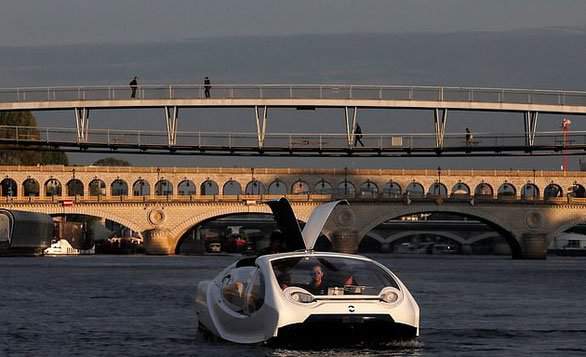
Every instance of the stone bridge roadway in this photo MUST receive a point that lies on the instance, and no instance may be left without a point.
(528, 208)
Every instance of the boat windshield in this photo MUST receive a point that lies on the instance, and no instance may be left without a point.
(332, 275)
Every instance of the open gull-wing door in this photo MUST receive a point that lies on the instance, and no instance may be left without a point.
(287, 223)
(294, 237)
(317, 221)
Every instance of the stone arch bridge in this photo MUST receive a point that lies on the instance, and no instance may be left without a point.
(528, 208)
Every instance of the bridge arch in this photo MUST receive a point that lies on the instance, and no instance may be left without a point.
(483, 236)
(180, 229)
(141, 187)
(97, 187)
(484, 190)
(255, 187)
(93, 212)
(346, 188)
(74, 187)
(575, 219)
(529, 191)
(300, 187)
(186, 188)
(119, 187)
(209, 187)
(392, 189)
(31, 187)
(368, 189)
(415, 189)
(232, 187)
(411, 210)
(8, 187)
(400, 235)
(277, 187)
(553, 190)
(53, 187)
(460, 189)
(507, 190)
(438, 189)
(323, 187)
(163, 187)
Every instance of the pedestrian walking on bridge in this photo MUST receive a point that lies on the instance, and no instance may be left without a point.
(133, 87)
(207, 85)
(468, 137)
(358, 135)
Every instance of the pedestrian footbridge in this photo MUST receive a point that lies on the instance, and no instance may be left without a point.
(350, 99)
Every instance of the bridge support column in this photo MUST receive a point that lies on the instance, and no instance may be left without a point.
(533, 246)
(261, 124)
(345, 241)
(350, 118)
(530, 127)
(82, 122)
(385, 247)
(466, 249)
(171, 114)
(440, 118)
(159, 242)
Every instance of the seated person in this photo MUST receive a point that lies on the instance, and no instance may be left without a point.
(318, 284)
(351, 286)
(348, 280)
(234, 293)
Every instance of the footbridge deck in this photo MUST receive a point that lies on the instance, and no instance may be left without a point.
(295, 96)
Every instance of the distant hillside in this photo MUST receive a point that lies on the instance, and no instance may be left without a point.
(9, 156)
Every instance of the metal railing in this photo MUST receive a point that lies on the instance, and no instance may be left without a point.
(297, 91)
(288, 142)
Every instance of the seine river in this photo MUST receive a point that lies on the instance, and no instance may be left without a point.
(143, 306)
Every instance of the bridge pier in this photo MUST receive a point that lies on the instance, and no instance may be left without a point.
(533, 246)
(159, 242)
(466, 248)
(345, 241)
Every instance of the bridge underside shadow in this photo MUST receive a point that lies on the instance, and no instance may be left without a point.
(367, 222)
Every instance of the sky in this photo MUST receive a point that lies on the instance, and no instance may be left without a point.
(59, 22)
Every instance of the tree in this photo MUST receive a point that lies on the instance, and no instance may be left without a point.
(13, 154)
(111, 161)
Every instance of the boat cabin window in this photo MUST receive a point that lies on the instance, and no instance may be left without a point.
(332, 275)
(243, 289)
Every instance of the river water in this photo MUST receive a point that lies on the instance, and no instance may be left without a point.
(143, 306)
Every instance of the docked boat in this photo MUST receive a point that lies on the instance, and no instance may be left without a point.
(306, 296)
(24, 233)
(63, 247)
(569, 244)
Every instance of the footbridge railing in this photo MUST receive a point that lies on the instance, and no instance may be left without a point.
(295, 91)
(294, 144)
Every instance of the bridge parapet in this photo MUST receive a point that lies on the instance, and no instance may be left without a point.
(87, 183)
(254, 199)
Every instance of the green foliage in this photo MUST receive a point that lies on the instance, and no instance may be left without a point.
(111, 161)
(11, 155)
